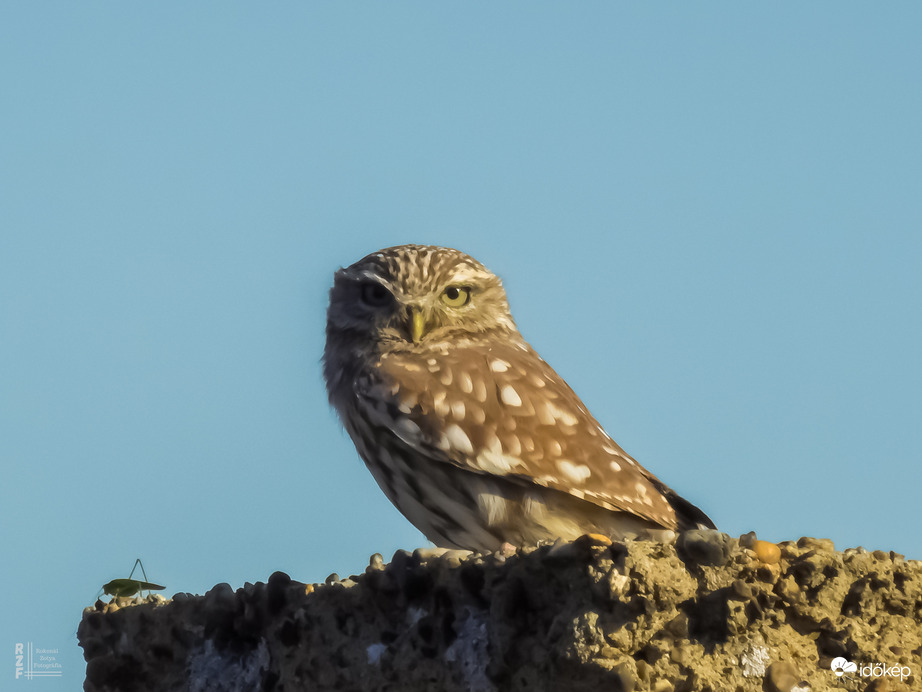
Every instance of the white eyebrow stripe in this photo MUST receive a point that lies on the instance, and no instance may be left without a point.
(464, 274)
(352, 274)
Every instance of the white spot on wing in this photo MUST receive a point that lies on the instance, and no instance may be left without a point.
(439, 404)
(615, 466)
(499, 365)
(492, 443)
(564, 417)
(509, 396)
(575, 472)
(465, 383)
(407, 430)
(458, 439)
(499, 464)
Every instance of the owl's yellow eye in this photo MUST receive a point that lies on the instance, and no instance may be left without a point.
(456, 296)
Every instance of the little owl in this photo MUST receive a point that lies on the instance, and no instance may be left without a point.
(472, 436)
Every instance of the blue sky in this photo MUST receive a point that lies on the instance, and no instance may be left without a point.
(708, 219)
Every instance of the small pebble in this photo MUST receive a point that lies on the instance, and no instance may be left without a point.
(678, 626)
(423, 555)
(375, 563)
(740, 590)
(644, 670)
(781, 677)
(789, 590)
(452, 556)
(598, 539)
(816, 543)
(400, 559)
(703, 547)
(507, 550)
(222, 590)
(768, 553)
(332, 579)
(680, 655)
(747, 540)
(279, 577)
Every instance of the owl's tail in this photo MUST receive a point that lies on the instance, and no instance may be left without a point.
(687, 515)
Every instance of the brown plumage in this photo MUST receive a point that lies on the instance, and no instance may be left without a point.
(472, 436)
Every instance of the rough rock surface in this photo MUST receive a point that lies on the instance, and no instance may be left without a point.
(708, 612)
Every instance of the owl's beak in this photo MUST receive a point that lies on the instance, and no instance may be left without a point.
(417, 324)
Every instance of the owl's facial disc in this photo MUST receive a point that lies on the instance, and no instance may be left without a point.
(394, 312)
(418, 295)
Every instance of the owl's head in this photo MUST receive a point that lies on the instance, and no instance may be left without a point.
(416, 295)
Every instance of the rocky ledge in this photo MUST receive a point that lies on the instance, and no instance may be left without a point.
(707, 612)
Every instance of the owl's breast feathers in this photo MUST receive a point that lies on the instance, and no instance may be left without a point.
(501, 410)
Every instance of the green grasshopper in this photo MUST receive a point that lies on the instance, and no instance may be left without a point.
(129, 587)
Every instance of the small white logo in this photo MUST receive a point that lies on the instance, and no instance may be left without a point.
(840, 667)
(843, 667)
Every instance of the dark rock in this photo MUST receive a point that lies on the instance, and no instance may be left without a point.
(703, 547)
